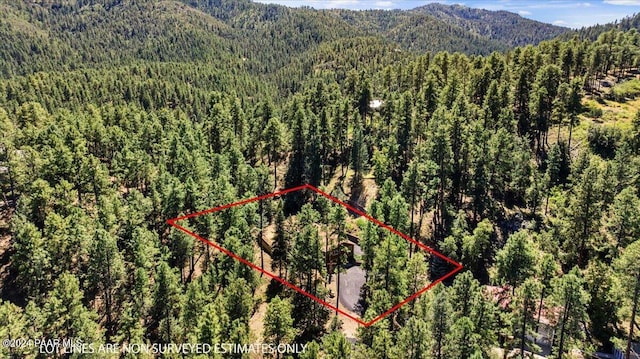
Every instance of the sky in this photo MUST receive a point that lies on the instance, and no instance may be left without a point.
(573, 14)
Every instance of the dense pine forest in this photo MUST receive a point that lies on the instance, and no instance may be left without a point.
(511, 147)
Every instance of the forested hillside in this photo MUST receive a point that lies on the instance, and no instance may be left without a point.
(626, 24)
(116, 116)
(500, 26)
(41, 36)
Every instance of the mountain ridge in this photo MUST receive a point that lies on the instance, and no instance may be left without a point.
(65, 35)
(503, 26)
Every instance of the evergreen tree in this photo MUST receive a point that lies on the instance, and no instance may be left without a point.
(585, 209)
(476, 247)
(65, 314)
(297, 164)
(404, 135)
(622, 220)
(312, 351)
(313, 154)
(31, 259)
(14, 326)
(306, 268)
(281, 244)
(628, 270)
(417, 273)
(464, 294)
(547, 269)
(238, 301)
(278, 324)
(525, 309)
(359, 159)
(364, 98)
(387, 273)
(569, 294)
(515, 262)
(573, 105)
(106, 275)
(167, 303)
(213, 323)
(274, 142)
(462, 341)
(439, 320)
(130, 330)
(336, 346)
(600, 283)
(413, 339)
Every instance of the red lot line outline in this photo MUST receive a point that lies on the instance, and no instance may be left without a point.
(457, 265)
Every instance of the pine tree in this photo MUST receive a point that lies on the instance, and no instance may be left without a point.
(130, 331)
(387, 273)
(297, 164)
(338, 222)
(106, 275)
(213, 323)
(31, 260)
(313, 154)
(312, 351)
(307, 260)
(629, 271)
(479, 176)
(195, 301)
(547, 269)
(359, 159)
(14, 326)
(476, 247)
(340, 134)
(543, 93)
(417, 273)
(411, 186)
(364, 98)
(600, 282)
(281, 244)
(413, 339)
(326, 128)
(525, 309)
(167, 303)
(573, 105)
(569, 294)
(65, 315)
(274, 143)
(515, 262)
(622, 220)
(336, 346)
(404, 135)
(462, 341)
(525, 76)
(278, 324)
(439, 320)
(238, 301)
(585, 211)
(464, 294)
(306, 269)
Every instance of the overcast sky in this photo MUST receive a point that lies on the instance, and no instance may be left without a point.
(573, 14)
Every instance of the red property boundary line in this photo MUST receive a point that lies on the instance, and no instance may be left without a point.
(458, 266)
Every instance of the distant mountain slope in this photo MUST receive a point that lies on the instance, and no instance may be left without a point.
(433, 27)
(74, 35)
(503, 27)
(592, 32)
(65, 35)
(237, 35)
(418, 32)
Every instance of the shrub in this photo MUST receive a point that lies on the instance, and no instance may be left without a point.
(625, 90)
(604, 140)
